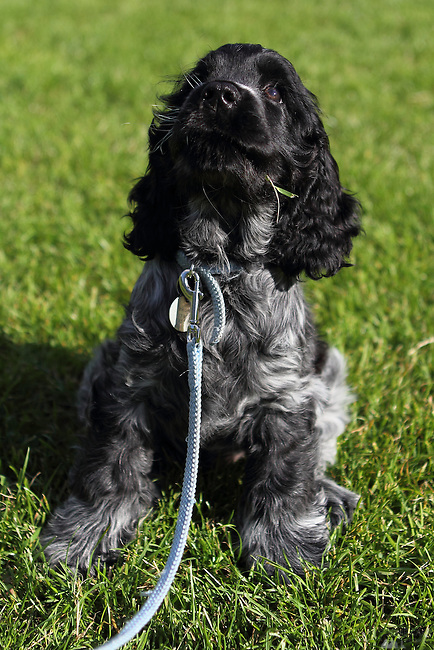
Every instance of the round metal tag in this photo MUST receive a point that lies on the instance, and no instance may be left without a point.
(179, 314)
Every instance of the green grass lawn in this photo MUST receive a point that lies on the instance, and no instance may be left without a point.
(77, 83)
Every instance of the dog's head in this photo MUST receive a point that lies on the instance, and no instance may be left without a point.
(236, 130)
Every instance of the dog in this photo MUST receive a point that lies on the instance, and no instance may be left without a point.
(241, 181)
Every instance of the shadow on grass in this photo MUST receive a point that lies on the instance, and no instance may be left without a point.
(38, 385)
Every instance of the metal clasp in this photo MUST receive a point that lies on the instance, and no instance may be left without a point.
(193, 295)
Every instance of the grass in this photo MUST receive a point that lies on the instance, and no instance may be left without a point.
(77, 84)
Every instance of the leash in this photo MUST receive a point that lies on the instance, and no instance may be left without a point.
(194, 354)
(214, 291)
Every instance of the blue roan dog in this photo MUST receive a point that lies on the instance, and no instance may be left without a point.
(236, 140)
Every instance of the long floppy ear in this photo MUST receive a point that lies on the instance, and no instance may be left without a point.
(316, 228)
(154, 199)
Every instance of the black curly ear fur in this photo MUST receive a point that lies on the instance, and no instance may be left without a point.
(154, 201)
(316, 228)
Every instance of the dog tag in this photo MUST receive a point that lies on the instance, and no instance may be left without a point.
(179, 313)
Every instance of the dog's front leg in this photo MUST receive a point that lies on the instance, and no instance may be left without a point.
(104, 508)
(111, 485)
(282, 518)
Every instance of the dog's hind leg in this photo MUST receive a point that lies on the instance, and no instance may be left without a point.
(330, 423)
(333, 413)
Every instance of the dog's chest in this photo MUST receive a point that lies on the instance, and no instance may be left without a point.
(260, 357)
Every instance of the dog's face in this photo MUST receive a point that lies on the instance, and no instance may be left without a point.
(235, 128)
(236, 118)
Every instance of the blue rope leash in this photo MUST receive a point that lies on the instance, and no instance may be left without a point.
(216, 296)
(161, 589)
(194, 354)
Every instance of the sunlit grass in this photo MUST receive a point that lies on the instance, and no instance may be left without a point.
(77, 84)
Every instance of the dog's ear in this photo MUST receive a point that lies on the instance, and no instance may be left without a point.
(154, 199)
(315, 228)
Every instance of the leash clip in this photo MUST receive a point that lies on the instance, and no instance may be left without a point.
(193, 294)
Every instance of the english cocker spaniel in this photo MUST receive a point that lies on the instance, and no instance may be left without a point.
(242, 181)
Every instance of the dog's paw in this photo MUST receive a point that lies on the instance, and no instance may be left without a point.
(341, 502)
(75, 556)
(80, 536)
(292, 542)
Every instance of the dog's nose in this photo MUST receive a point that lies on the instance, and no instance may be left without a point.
(220, 94)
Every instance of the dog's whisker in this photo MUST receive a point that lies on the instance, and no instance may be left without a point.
(205, 193)
(188, 80)
(162, 141)
(167, 116)
(197, 80)
(192, 80)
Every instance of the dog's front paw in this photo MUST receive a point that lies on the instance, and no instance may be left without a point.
(79, 535)
(290, 543)
(74, 554)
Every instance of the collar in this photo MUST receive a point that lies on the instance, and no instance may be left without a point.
(228, 272)
(234, 270)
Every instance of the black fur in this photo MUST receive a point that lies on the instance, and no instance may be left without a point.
(236, 128)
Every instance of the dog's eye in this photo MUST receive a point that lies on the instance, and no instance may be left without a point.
(273, 93)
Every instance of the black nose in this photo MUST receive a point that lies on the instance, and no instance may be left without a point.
(220, 94)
